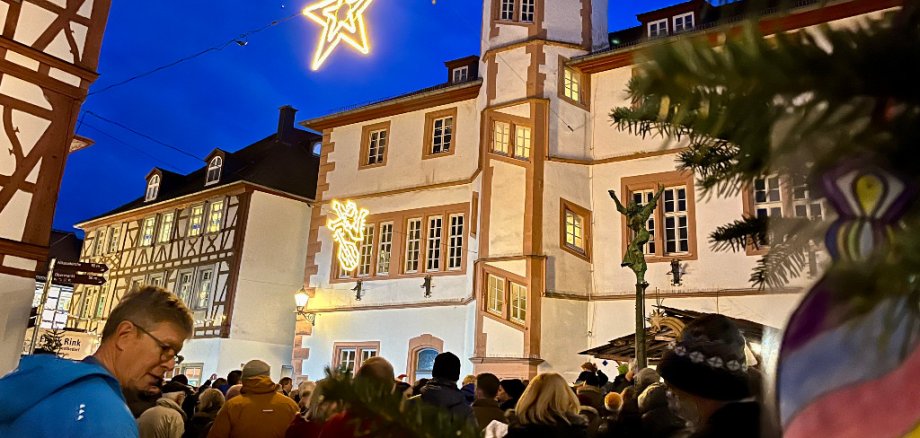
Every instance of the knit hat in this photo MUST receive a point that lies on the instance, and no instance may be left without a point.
(708, 360)
(623, 368)
(181, 378)
(174, 386)
(613, 402)
(513, 387)
(587, 378)
(256, 368)
(646, 377)
(446, 366)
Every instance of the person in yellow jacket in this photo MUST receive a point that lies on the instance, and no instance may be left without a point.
(259, 410)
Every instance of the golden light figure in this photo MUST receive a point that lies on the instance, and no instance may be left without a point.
(342, 20)
(348, 232)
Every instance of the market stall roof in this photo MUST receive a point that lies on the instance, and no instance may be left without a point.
(623, 349)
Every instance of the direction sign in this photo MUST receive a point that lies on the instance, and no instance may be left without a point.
(65, 266)
(71, 278)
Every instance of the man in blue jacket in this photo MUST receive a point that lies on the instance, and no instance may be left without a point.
(51, 397)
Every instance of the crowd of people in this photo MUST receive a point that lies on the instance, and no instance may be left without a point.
(702, 388)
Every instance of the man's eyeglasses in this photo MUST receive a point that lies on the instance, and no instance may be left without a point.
(167, 352)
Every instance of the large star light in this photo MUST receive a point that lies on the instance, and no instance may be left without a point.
(342, 20)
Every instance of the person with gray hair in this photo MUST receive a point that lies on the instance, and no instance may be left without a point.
(260, 410)
(166, 419)
(209, 403)
(51, 397)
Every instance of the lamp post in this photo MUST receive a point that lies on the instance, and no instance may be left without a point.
(300, 299)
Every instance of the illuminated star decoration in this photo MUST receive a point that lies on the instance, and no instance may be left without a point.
(342, 20)
(347, 231)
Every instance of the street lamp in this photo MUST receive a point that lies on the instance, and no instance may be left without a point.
(301, 298)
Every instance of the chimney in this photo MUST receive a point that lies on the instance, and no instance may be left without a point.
(286, 123)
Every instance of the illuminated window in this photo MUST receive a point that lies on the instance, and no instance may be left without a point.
(460, 74)
(507, 12)
(214, 168)
(501, 137)
(522, 142)
(385, 249)
(574, 230)
(215, 216)
(114, 236)
(518, 303)
(377, 145)
(99, 241)
(205, 286)
(642, 197)
(413, 240)
(496, 295)
(571, 84)
(195, 220)
(433, 253)
(101, 302)
(153, 188)
(768, 200)
(527, 9)
(455, 243)
(658, 28)
(442, 134)
(166, 227)
(367, 252)
(184, 287)
(147, 231)
(676, 221)
(683, 22)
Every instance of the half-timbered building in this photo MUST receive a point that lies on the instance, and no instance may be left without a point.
(491, 233)
(49, 51)
(228, 239)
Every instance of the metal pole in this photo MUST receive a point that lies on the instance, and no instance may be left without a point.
(41, 306)
(641, 361)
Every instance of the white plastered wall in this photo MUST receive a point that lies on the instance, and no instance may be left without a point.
(16, 294)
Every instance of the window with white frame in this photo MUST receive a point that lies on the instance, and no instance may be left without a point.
(455, 243)
(804, 204)
(101, 302)
(413, 242)
(347, 359)
(376, 147)
(114, 238)
(147, 230)
(643, 197)
(166, 227)
(184, 287)
(156, 280)
(433, 252)
(768, 200)
(658, 28)
(385, 248)
(676, 221)
(522, 142)
(507, 12)
(460, 74)
(574, 230)
(501, 137)
(350, 356)
(215, 216)
(367, 353)
(99, 241)
(214, 168)
(442, 134)
(571, 84)
(518, 310)
(153, 188)
(195, 221)
(204, 289)
(496, 295)
(683, 22)
(527, 10)
(367, 251)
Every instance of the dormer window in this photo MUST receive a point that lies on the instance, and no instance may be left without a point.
(683, 22)
(153, 188)
(515, 11)
(658, 28)
(460, 74)
(214, 167)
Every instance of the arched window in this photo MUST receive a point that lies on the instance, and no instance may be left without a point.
(214, 170)
(424, 363)
(153, 188)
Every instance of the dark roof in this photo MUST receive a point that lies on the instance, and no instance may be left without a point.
(709, 16)
(624, 348)
(64, 245)
(288, 166)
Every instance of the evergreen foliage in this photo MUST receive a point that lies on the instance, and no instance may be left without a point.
(51, 342)
(794, 104)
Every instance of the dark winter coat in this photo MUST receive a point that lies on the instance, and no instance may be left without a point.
(662, 423)
(573, 426)
(199, 425)
(444, 393)
(487, 410)
(733, 420)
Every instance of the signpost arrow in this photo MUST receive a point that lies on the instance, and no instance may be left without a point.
(70, 267)
(71, 278)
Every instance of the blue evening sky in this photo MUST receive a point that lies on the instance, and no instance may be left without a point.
(229, 98)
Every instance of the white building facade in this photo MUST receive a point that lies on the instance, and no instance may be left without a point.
(492, 189)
